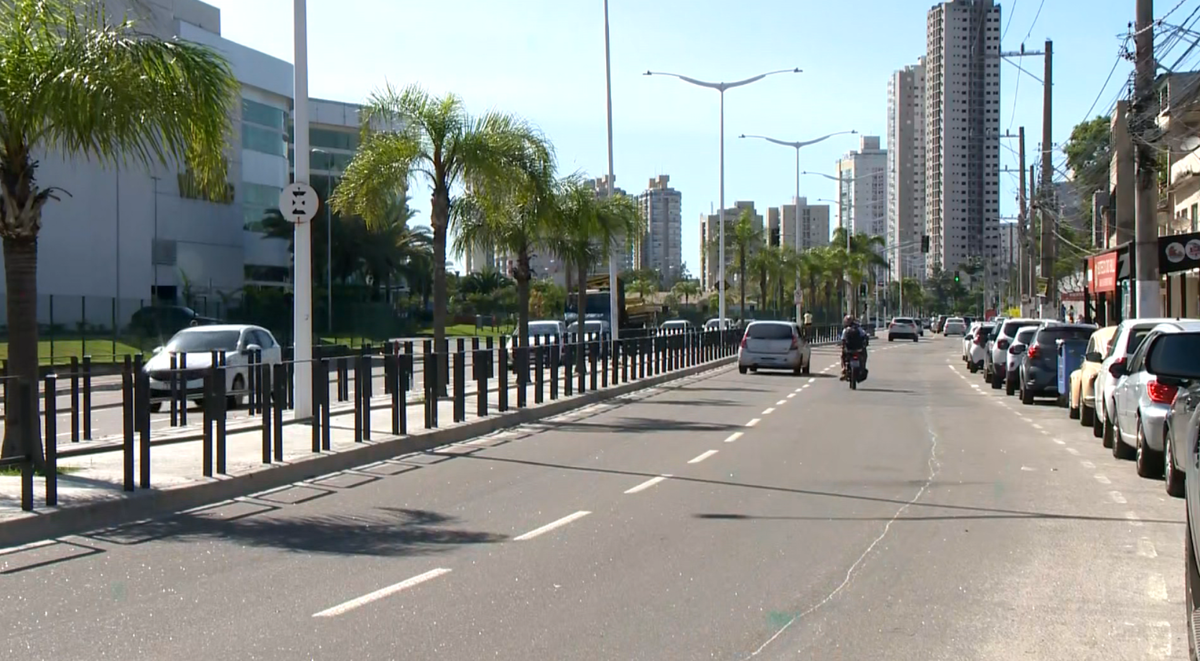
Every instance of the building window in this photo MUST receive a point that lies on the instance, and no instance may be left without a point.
(255, 138)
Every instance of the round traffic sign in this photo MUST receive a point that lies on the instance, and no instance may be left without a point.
(298, 202)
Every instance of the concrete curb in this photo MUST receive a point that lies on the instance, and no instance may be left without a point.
(51, 523)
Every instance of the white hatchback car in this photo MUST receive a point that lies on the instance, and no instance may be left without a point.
(196, 345)
(774, 345)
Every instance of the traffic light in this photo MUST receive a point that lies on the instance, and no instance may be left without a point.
(924, 243)
(862, 290)
(956, 277)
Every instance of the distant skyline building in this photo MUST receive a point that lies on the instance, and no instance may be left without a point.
(661, 248)
(709, 234)
(625, 259)
(962, 132)
(906, 171)
(863, 189)
(814, 225)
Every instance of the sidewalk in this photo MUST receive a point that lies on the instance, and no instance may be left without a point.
(92, 494)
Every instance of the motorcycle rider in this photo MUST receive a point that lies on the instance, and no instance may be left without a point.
(854, 338)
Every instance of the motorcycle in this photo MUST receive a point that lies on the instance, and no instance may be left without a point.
(853, 370)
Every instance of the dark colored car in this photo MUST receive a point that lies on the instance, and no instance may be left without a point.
(1039, 370)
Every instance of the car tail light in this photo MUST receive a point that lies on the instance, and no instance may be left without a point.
(1160, 393)
(1035, 351)
(1002, 345)
(795, 342)
(743, 341)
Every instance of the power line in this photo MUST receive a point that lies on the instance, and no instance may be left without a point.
(1035, 20)
(1011, 12)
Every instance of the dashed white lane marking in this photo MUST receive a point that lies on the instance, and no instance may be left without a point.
(348, 606)
(769, 410)
(1146, 548)
(1159, 640)
(1103, 479)
(1073, 451)
(1028, 469)
(1036, 426)
(733, 437)
(791, 395)
(797, 390)
(551, 526)
(805, 386)
(702, 456)
(1087, 464)
(1117, 497)
(781, 402)
(647, 484)
(1133, 519)
(1156, 587)
(812, 380)
(753, 421)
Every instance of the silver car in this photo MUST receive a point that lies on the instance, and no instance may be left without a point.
(1141, 404)
(774, 345)
(995, 367)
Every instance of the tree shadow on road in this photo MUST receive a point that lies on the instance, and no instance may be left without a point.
(381, 531)
(637, 425)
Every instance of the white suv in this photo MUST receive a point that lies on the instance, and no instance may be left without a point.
(903, 328)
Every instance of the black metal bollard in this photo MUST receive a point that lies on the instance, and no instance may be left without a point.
(173, 387)
(128, 420)
(521, 357)
(359, 382)
(430, 369)
(605, 349)
(222, 403)
(51, 430)
(323, 368)
(317, 402)
(593, 356)
(624, 344)
(264, 386)
(568, 365)
(183, 395)
(502, 375)
(460, 383)
(251, 383)
(290, 357)
(26, 408)
(539, 376)
(141, 390)
(555, 354)
(87, 398)
(280, 382)
(209, 416)
(480, 369)
(74, 399)
(400, 401)
(366, 393)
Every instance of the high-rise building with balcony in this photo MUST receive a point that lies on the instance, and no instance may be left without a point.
(814, 225)
(962, 132)
(709, 236)
(863, 189)
(906, 170)
(661, 247)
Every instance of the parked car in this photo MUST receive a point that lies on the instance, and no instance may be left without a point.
(1141, 403)
(677, 325)
(976, 347)
(967, 338)
(236, 342)
(1174, 360)
(1082, 404)
(954, 326)
(995, 367)
(1016, 356)
(543, 332)
(1039, 371)
(904, 328)
(716, 324)
(774, 345)
(1127, 338)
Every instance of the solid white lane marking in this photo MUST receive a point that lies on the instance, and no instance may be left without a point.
(1087, 464)
(1160, 640)
(381, 593)
(791, 395)
(769, 410)
(1134, 519)
(1117, 497)
(1156, 587)
(551, 526)
(753, 421)
(1103, 479)
(733, 437)
(781, 402)
(1146, 548)
(702, 456)
(647, 484)
(1073, 451)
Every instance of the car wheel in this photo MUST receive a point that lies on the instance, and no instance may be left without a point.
(807, 367)
(997, 382)
(973, 367)
(1108, 431)
(1087, 415)
(1119, 449)
(914, 339)
(1173, 476)
(1010, 386)
(1073, 412)
(741, 370)
(1097, 424)
(1148, 465)
(234, 401)
(1026, 396)
(891, 339)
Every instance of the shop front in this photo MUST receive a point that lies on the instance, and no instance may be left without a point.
(1108, 296)
(1179, 264)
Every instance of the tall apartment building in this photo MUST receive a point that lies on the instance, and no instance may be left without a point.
(625, 260)
(661, 247)
(906, 170)
(863, 189)
(962, 132)
(814, 225)
(710, 234)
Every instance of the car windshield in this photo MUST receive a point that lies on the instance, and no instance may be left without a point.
(1180, 352)
(1025, 335)
(193, 341)
(1010, 328)
(902, 320)
(1135, 338)
(769, 332)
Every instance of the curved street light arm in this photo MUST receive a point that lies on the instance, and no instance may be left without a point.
(720, 87)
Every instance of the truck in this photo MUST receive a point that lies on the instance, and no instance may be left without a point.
(634, 313)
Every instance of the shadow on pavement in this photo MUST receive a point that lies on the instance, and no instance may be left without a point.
(386, 531)
(899, 391)
(640, 425)
(972, 512)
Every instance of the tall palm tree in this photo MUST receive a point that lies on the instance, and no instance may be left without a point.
(74, 83)
(411, 133)
(513, 215)
(586, 232)
(746, 240)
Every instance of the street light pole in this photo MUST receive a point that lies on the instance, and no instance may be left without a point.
(614, 316)
(302, 287)
(796, 201)
(721, 87)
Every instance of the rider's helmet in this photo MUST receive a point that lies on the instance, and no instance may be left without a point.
(848, 321)
(808, 317)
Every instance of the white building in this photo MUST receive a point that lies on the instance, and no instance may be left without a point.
(906, 171)
(962, 129)
(661, 248)
(814, 225)
(709, 237)
(863, 189)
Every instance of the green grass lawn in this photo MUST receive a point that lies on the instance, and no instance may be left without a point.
(469, 330)
(15, 471)
(58, 352)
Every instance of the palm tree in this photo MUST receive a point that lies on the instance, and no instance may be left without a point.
(484, 283)
(412, 133)
(686, 289)
(746, 240)
(74, 84)
(644, 288)
(586, 232)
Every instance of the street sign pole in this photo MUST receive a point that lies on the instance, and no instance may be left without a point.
(302, 287)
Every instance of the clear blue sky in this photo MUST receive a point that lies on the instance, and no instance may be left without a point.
(544, 59)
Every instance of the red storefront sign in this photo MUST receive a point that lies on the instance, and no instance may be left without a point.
(1104, 272)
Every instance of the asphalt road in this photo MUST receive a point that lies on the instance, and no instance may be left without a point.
(728, 517)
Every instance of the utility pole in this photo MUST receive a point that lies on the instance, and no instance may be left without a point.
(1050, 303)
(1034, 190)
(1023, 229)
(1146, 197)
